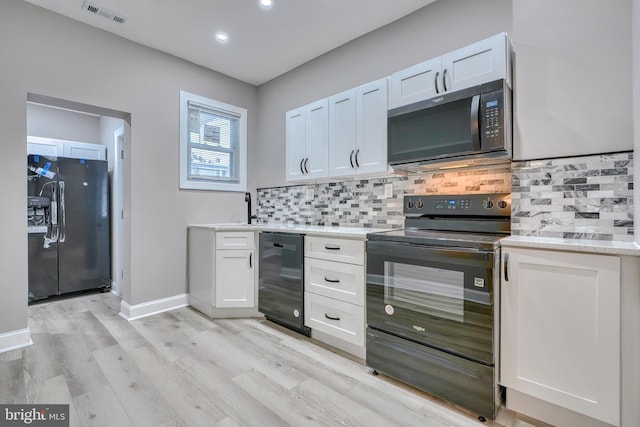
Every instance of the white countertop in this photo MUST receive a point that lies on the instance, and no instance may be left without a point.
(587, 246)
(310, 230)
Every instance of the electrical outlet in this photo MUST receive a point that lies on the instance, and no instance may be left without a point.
(310, 193)
(388, 190)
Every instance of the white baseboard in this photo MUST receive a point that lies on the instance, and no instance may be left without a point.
(133, 312)
(15, 340)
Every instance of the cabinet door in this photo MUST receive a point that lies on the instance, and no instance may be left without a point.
(371, 120)
(317, 141)
(415, 83)
(342, 133)
(560, 339)
(476, 63)
(235, 278)
(295, 142)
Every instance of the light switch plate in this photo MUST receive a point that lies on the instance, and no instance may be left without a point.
(388, 190)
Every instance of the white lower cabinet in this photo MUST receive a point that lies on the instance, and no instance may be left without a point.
(338, 318)
(222, 272)
(560, 336)
(334, 284)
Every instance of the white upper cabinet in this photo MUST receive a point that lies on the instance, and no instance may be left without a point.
(60, 148)
(477, 63)
(358, 130)
(416, 83)
(307, 139)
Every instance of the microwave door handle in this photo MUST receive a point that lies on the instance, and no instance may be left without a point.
(475, 118)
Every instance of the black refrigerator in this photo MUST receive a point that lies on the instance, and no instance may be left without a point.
(68, 225)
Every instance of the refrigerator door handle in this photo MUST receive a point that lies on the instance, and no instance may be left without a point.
(63, 222)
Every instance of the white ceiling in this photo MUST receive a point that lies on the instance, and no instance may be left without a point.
(263, 44)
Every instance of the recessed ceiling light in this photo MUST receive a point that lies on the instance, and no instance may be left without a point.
(222, 37)
(266, 3)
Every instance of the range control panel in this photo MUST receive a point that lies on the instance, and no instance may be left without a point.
(497, 204)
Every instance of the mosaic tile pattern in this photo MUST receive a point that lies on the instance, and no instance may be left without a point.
(361, 203)
(588, 197)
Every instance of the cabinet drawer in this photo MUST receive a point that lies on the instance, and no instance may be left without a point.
(339, 319)
(342, 250)
(333, 279)
(234, 240)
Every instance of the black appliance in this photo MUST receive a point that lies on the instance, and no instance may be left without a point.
(68, 225)
(471, 125)
(432, 297)
(281, 280)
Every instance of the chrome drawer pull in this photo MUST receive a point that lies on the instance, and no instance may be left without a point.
(330, 317)
(331, 280)
(332, 248)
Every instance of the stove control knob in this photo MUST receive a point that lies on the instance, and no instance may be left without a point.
(420, 203)
(502, 204)
(410, 204)
(488, 204)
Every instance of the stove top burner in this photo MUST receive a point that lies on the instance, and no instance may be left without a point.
(476, 221)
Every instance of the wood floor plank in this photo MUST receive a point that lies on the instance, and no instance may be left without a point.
(294, 407)
(192, 404)
(307, 366)
(180, 368)
(142, 402)
(55, 391)
(100, 408)
(79, 367)
(122, 331)
(172, 339)
(238, 404)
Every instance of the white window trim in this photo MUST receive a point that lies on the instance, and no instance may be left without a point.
(185, 182)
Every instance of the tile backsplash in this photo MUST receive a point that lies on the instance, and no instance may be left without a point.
(588, 197)
(362, 203)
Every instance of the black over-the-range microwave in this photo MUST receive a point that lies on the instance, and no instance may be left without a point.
(473, 124)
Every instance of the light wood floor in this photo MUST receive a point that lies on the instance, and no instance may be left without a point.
(180, 368)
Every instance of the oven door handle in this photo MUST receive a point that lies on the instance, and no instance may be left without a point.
(457, 255)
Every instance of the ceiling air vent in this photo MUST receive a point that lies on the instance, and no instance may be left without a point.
(105, 13)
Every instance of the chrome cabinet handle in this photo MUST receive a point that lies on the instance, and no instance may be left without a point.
(332, 248)
(436, 81)
(250, 260)
(357, 162)
(306, 165)
(278, 245)
(444, 80)
(331, 280)
(331, 317)
(301, 163)
(506, 266)
(351, 158)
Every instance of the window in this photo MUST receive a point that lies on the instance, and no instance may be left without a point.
(213, 144)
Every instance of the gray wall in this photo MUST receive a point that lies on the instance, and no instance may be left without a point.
(61, 124)
(636, 103)
(429, 32)
(47, 54)
(572, 77)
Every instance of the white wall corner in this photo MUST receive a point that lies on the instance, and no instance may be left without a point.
(635, 72)
(138, 311)
(15, 339)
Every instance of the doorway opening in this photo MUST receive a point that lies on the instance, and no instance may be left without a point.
(91, 138)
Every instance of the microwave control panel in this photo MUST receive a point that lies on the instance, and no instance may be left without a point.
(492, 119)
(472, 204)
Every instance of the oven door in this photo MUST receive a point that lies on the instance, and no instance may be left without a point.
(440, 297)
